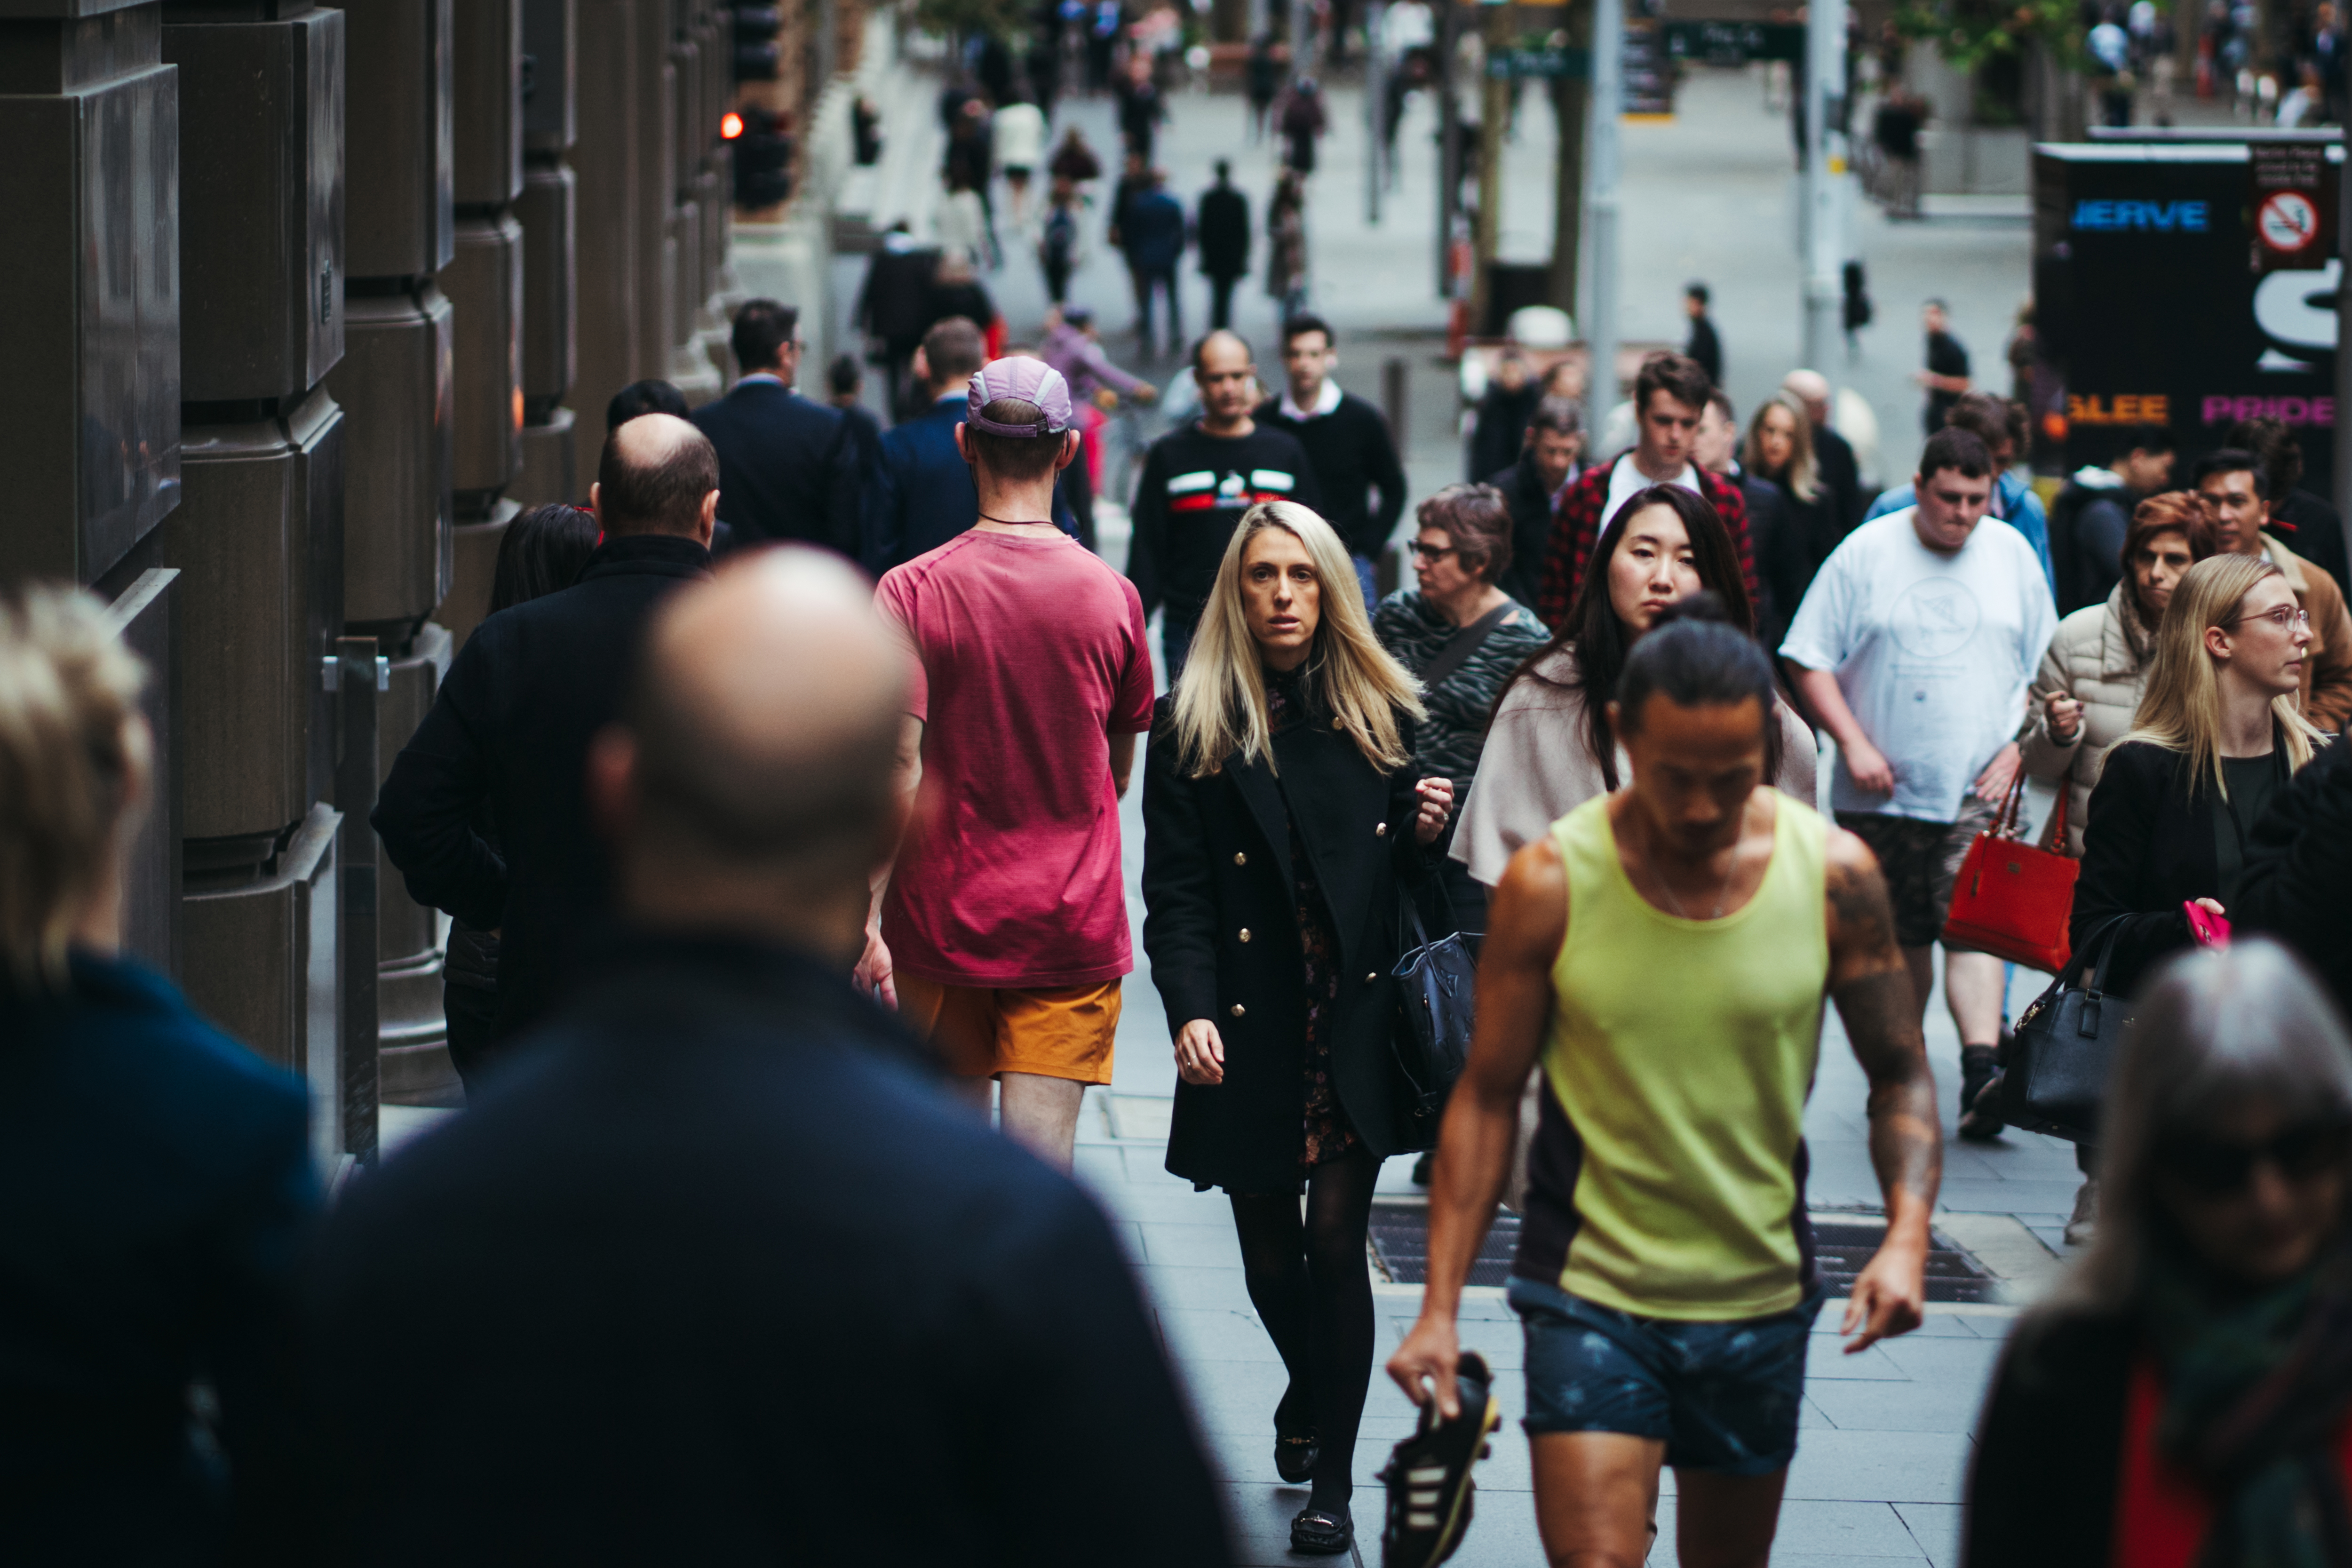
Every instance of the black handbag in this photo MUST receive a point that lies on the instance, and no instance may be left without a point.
(2064, 1045)
(1435, 1003)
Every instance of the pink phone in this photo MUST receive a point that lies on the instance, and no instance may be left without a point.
(2210, 929)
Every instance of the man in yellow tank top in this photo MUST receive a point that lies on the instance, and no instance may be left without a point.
(1664, 955)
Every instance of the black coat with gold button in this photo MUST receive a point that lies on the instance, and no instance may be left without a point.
(1216, 863)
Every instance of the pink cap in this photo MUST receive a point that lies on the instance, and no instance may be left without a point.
(1026, 380)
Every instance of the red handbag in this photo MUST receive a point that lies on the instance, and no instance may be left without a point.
(2012, 899)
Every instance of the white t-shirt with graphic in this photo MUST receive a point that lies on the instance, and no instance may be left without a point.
(1934, 654)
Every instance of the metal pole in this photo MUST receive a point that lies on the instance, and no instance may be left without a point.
(1302, 39)
(2341, 479)
(1826, 164)
(1449, 138)
(359, 674)
(1376, 77)
(1601, 213)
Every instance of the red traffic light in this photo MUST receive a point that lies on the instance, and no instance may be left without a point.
(730, 126)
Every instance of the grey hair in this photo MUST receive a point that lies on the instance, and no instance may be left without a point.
(2213, 1031)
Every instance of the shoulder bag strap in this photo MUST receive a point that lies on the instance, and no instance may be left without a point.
(1459, 648)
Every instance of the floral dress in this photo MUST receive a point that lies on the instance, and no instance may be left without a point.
(1327, 1134)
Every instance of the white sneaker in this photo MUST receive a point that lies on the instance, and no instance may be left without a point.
(2085, 1223)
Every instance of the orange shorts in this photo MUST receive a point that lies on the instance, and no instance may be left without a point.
(983, 1031)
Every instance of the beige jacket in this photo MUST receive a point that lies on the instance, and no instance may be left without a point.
(2099, 657)
(1537, 768)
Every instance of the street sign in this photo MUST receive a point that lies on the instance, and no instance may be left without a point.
(1725, 42)
(2146, 311)
(1649, 73)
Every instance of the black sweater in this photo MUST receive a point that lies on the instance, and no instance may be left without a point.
(1353, 454)
(1194, 488)
(2042, 1491)
(2299, 866)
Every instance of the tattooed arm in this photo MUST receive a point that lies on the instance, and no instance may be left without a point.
(1873, 996)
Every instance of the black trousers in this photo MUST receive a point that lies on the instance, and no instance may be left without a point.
(1221, 302)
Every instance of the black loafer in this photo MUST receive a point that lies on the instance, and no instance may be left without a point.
(1294, 1457)
(1318, 1533)
(1981, 1119)
(1428, 1474)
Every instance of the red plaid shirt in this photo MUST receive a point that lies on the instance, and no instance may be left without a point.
(1576, 531)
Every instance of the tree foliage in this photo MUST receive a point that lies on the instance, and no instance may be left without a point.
(1968, 32)
(1002, 19)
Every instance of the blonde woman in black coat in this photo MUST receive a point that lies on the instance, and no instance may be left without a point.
(1282, 820)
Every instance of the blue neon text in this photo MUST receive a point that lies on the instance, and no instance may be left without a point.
(2163, 216)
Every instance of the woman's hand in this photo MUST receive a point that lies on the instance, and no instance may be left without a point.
(1436, 805)
(2211, 906)
(1200, 1053)
(2064, 717)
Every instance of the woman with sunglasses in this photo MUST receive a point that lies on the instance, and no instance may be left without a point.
(2217, 734)
(1463, 637)
(2183, 1399)
(1549, 748)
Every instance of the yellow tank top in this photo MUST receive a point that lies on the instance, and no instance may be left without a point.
(1680, 1056)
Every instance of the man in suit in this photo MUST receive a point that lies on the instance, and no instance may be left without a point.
(1549, 460)
(719, 1273)
(919, 492)
(1151, 234)
(510, 727)
(1221, 231)
(787, 467)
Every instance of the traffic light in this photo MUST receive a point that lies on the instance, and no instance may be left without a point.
(763, 158)
(757, 55)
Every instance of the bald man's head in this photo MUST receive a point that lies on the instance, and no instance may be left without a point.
(760, 733)
(658, 475)
(1812, 389)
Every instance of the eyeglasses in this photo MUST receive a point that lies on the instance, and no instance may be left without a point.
(1432, 554)
(2285, 617)
(2217, 1168)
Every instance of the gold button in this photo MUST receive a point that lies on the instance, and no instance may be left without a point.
(1240, 859)
(1381, 831)
(1245, 934)
(1239, 1009)
(1341, 725)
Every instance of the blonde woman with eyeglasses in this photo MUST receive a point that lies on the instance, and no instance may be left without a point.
(1283, 816)
(155, 1177)
(2218, 733)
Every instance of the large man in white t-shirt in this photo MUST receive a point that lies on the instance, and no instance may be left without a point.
(1669, 396)
(1916, 646)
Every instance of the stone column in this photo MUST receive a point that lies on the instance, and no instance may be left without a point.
(606, 158)
(258, 538)
(547, 209)
(397, 386)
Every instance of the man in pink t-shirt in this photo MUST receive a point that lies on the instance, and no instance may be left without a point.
(1004, 924)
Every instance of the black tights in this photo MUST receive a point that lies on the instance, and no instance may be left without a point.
(1313, 1290)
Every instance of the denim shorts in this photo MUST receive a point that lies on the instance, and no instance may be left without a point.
(1722, 1397)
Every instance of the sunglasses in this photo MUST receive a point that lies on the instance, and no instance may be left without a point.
(1431, 552)
(2218, 1168)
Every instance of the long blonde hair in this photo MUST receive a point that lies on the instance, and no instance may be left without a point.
(1801, 477)
(72, 752)
(1220, 703)
(2181, 708)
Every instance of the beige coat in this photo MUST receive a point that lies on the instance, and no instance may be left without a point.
(2099, 657)
(2327, 663)
(1537, 768)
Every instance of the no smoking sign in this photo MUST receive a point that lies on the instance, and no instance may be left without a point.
(2288, 222)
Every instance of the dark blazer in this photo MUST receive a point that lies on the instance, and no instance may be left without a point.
(2298, 868)
(1833, 459)
(920, 494)
(1530, 504)
(1500, 435)
(155, 1181)
(2041, 1490)
(1216, 862)
(510, 728)
(2147, 848)
(787, 467)
(1223, 229)
(714, 1276)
